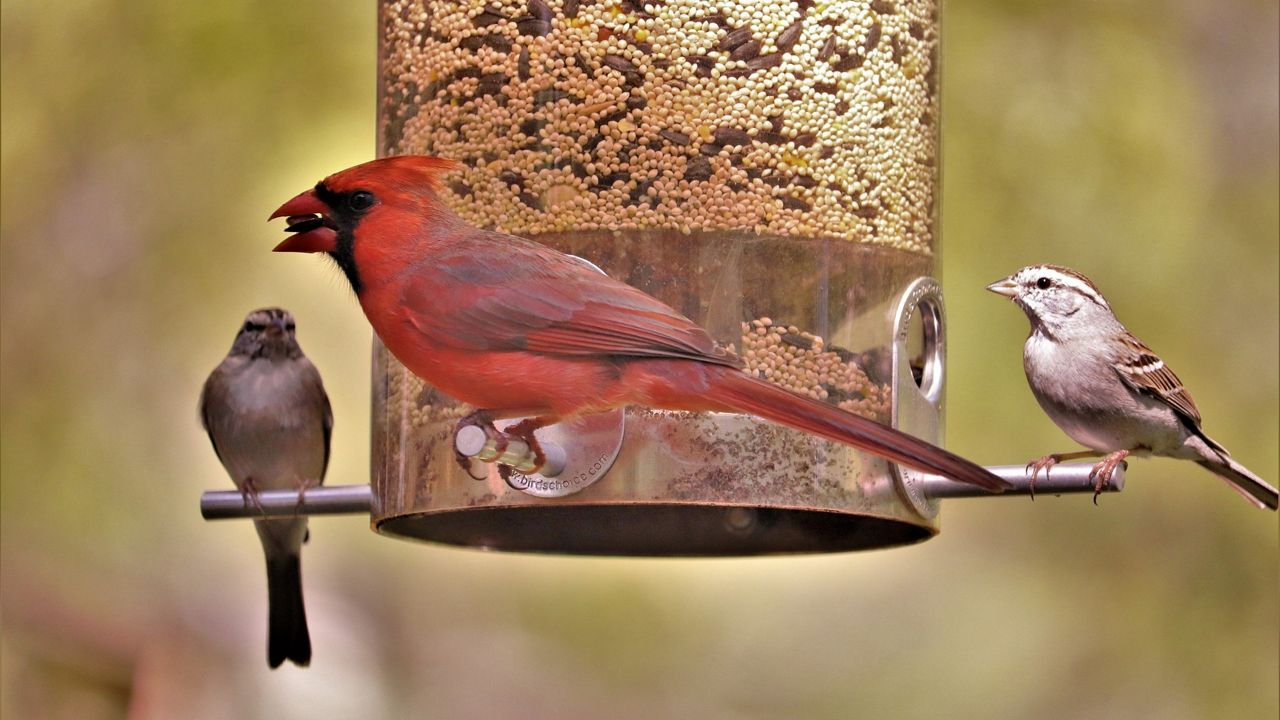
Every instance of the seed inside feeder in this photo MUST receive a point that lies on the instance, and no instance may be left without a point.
(831, 109)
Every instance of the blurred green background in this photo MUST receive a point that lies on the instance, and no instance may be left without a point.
(144, 144)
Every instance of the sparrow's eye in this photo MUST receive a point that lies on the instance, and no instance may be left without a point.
(251, 326)
(289, 326)
(360, 200)
(1044, 283)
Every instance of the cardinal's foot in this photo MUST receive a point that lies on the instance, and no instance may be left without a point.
(524, 431)
(483, 420)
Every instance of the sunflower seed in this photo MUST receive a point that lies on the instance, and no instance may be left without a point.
(765, 61)
(734, 38)
(746, 50)
(732, 136)
(678, 138)
(789, 36)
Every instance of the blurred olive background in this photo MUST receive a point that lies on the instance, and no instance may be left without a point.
(144, 144)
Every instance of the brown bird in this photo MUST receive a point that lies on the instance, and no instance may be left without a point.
(1105, 388)
(268, 416)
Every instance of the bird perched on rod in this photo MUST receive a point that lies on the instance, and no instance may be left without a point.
(518, 329)
(1105, 388)
(269, 419)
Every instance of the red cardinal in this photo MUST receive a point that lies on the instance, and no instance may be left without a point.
(520, 330)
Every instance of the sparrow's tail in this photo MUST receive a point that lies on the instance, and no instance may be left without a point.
(287, 636)
(741, 392)
(1242, 480)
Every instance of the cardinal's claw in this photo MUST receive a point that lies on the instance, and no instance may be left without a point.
(483, 420)
(524, 430)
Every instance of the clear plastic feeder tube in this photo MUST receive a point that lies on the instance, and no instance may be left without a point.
(768, 168)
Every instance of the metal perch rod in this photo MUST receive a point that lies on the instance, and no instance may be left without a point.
(355, 499)
(1060, 480)
(334, 500)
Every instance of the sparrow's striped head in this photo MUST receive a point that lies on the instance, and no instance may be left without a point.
(1049, 294)
(267, 332)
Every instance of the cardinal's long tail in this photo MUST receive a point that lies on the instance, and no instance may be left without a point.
(1253, 488)
(741, 392)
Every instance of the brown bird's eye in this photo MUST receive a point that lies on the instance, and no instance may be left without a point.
(360, 200)
(250, 326)
(1044, 283)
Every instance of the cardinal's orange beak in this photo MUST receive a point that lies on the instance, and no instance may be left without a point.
(308, 220)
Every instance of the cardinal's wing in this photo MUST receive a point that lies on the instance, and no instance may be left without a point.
(495, 292)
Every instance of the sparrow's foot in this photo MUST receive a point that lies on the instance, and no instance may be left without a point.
(249, 492)
(1035, 466)
(303, 484)
(1102, 472)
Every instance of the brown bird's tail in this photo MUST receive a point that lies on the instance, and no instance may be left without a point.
(744, 393)
(1242, 480)
(287, 636)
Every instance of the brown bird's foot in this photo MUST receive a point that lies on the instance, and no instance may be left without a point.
(1048, 461)
(1102, 472)
(249, 492)
(303, 484)
(1035, 466)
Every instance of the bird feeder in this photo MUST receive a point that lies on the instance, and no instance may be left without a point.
(768, 169)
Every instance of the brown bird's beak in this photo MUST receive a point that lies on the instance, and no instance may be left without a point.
(278, 327)
(1006, 287)
(310, 224)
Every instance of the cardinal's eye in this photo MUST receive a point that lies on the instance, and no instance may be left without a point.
(1044, 283)
(360, 201)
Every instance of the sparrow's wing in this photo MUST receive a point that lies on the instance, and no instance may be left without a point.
(489, 291)
(206, 421)
(316, 389)
(1146, 373)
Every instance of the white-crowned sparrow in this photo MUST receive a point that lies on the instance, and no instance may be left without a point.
(1105, 388)
(268, 416)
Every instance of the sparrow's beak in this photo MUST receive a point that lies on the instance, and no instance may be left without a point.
(278, 327)
(1006, 287)
(313, 232)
